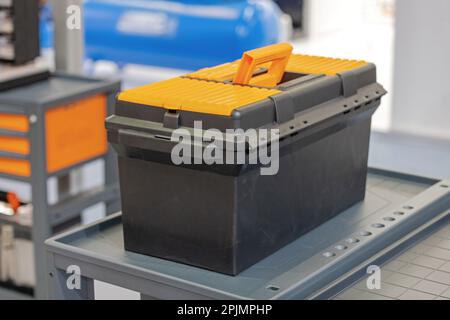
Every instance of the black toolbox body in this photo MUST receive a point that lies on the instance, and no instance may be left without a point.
(226, 218)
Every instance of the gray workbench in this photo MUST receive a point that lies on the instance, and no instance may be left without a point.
(398, 210)
(422, 272)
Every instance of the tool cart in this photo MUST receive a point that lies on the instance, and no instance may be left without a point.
(51, 124)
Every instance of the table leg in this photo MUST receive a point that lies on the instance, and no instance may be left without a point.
(60, 284)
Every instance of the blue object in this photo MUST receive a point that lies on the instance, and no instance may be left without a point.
(46, 27)
(182, 34)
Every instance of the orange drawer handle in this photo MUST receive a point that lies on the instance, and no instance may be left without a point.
(13, 201)
(277, 54)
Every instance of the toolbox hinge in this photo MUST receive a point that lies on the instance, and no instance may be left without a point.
(284, 107)
(349, 83)
(171, 120)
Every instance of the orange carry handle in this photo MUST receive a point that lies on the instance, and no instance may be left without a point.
(277, 54)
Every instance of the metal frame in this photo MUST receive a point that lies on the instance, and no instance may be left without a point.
(282, 276)
(68, 44)
(46, 217)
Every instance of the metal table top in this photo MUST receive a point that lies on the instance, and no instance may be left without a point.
(395, 206)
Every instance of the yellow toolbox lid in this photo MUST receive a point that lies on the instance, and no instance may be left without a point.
(297, 63)
(196, 95)
(321, 65)
(220, 90)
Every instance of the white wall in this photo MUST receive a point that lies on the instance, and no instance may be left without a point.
(354, 29)
(422, 68)
(327, 16)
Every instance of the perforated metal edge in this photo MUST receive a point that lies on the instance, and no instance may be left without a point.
(334, 261)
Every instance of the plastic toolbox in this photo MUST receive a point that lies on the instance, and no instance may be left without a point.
(19, 30)
(226, 217)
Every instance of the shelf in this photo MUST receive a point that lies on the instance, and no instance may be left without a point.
(297, 271)
(66, 210)
(72, 206)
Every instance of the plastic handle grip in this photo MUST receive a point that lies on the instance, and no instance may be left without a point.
(278, 55)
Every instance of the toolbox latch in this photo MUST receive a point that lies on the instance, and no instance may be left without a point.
(171, 119)
(284, 107)
(349, 83)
